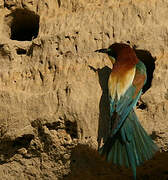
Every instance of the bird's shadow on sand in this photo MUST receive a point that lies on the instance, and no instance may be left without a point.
(104, 111)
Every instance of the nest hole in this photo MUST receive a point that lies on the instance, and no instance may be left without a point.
(71, 129)
(23, 141)
(141, 105)
(24, 25)
(21, 51)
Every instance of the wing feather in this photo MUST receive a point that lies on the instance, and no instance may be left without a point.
(122, 107)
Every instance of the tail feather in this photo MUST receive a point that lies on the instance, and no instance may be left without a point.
(119, 149)
(132, 159)
(140, 149)
(140, 139)
(147, 146)
(125, 157)
(131, 146)
(135, 153)
(116, 152)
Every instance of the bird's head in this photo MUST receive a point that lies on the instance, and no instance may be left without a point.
(110, 52)
(114, 50)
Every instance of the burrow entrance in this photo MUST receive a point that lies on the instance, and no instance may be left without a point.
(24, 25)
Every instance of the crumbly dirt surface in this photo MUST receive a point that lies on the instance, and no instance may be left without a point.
(54, 109)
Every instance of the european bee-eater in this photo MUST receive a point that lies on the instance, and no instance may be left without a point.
(128, 143)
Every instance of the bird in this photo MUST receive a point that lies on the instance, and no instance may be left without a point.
(128, 144)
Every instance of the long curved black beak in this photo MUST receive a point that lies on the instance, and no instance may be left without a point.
(103, 51)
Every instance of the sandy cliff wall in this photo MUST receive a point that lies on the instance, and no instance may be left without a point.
(53, 86)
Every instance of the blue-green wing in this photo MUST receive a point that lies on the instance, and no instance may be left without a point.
(119, 109)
